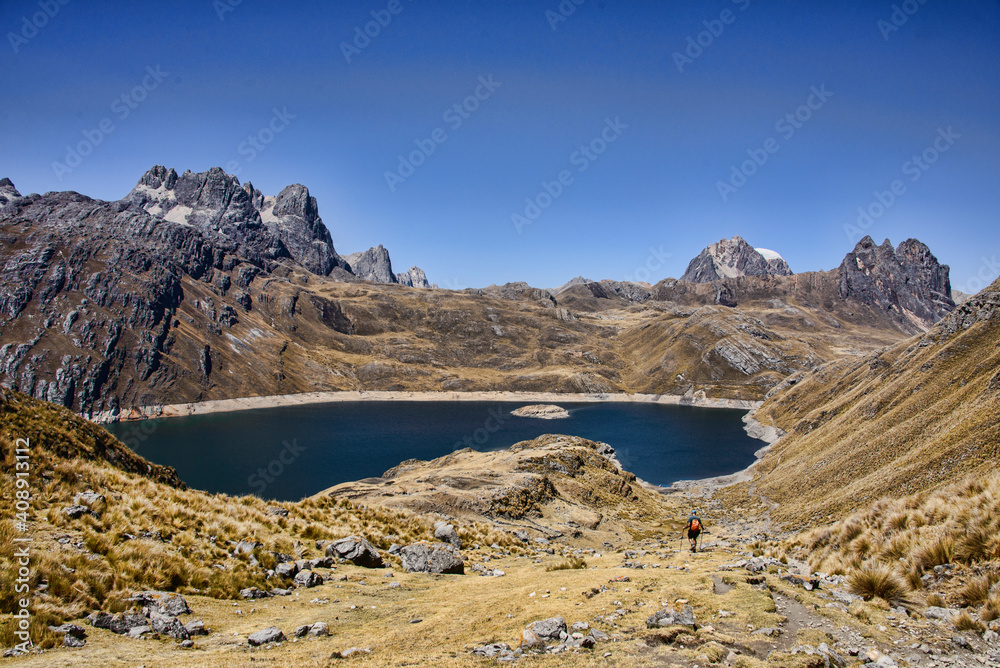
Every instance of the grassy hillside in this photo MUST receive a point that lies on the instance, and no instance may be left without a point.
(913, 417)
(149, 532)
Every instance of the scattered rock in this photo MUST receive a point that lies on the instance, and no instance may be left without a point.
(75, 512)
(301, 631)
(537, 635)
(73, 641)
(308, 579)
(187, 644)
(164, 602)
(424, 557)
(446, 533)
(139, 632)
(683, 616)
(286, 570)
(264, 636)
(357, 550)
(252, 593)
(196, 627)
(319, 629)
(350, 651)
(167, 625)
(277, 512)
(770, 631)
(73, 630)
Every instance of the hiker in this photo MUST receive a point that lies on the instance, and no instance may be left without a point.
(693, 527)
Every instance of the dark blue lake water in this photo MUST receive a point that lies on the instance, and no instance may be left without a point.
(291, 452)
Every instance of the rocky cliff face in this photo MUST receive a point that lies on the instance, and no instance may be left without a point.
(907, 281)
(214, 203)
(414, 278)
(375, 265)
(731, 258)
(372, 265)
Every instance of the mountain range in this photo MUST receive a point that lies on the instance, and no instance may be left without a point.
(195, 287)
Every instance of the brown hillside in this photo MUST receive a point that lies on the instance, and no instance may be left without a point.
(912, 417)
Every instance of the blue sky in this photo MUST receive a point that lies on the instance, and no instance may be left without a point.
(605, 79)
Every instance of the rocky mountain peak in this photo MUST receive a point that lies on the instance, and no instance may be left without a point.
(414, 278)
(372, 265)
(7, 191)
(907, 281)
(730, 258)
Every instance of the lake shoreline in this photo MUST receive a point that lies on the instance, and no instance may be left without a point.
(274, 401)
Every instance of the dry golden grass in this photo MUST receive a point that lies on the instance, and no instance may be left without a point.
(913, 417)
(878, 581)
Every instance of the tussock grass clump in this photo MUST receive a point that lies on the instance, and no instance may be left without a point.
(966, 622)
(959, 524)
(567, 564)
(936, 600)
(878, 581)
(977, 590)
(991, 608)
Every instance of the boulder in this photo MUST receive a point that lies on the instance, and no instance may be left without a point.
(357, 550)
(286, 570)
(73, 641)
(165, 602)
(196, 628)
(683, 616)
(319, 629)
(537, 635)
(308, 579)
(252, 593)
(446, 533)
(139, 631)
(301, 631)
(265, 636)
(76, 512)
(120, 623)
(74, 630)
(425, 557)
(167, 625)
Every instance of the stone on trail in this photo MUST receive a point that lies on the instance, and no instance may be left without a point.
(167, 625)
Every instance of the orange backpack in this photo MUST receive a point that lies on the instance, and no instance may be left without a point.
(695, 524)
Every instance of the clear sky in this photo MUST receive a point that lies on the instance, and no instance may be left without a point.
(663, 121)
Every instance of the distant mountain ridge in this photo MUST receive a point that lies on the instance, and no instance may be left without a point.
(731, 258)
